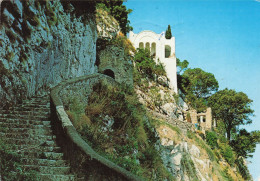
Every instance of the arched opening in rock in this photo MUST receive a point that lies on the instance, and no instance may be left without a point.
(167, 51)
(109, 73)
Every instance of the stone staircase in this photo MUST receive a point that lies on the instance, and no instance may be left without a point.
(27, 128)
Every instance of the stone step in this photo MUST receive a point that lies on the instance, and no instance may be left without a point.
(48, 169)
(29, 142)
(28, 136)
(26, 112)
(49, 177)
(37, 99)
(36, 131)
(44, 162)
(26, 117)
(38, 153)
(24, 108)
(52, 156)
(35, 105)
(17, 125)
(52, 177)
(31, 148)
(24, 121)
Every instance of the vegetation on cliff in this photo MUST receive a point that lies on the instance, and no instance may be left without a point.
(231, 109)
(119, 12)
(116, 125)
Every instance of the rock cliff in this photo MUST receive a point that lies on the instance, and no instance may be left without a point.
(43, 43)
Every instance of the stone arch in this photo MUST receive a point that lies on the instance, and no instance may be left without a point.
(109, 73)
(153, 49)
(147, 45)
(141, 45)
(167, 51)
(144, 34)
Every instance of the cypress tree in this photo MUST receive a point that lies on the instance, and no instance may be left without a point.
(168, 33)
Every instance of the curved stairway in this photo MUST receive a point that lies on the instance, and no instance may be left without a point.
(27, 128)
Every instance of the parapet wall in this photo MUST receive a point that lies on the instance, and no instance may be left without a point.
(84, 161)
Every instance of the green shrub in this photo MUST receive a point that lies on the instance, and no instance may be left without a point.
(189, 167)
(122, 41)
(146, 65)
(226, 175)
(227, 153)
(212, 139)
(242, 168)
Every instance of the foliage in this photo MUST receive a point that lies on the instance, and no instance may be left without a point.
(226, 151)
(212, 139)
(232, 107)
(129, 141)
(197, 85)
(181, 65)
(202, 144)
(242, 168)
(245, 143)
(189, 167)
(168, 33)
(120, 13)
(122, 41)
(146, 66)
(226, 175)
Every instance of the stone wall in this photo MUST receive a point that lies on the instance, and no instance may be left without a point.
(203, 119)
(113, 58)
(43, 43)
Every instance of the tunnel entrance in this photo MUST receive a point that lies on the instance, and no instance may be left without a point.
(109, 73)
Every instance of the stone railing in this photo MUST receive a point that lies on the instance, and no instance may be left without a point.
(85, 162)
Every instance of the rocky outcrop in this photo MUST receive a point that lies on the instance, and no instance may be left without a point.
(107, 25)
(177, 157)
(43, 43)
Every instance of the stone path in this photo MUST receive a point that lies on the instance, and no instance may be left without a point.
(183, 125)
(26, 127)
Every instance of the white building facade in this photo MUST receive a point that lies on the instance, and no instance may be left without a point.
(162, 49)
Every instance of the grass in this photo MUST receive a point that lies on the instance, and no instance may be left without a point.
(201, 143)
(129, 140)
(188, 167)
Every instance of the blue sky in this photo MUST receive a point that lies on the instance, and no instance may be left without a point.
(221, 37)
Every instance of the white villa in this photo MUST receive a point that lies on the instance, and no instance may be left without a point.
(162, 48)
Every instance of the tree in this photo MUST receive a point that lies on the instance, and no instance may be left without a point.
(120, 13)
(245, 143)
(199, 83)
(181, 65)
(168, 33)
(231, 107)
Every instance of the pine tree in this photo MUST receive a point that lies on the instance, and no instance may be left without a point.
(168, 33)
